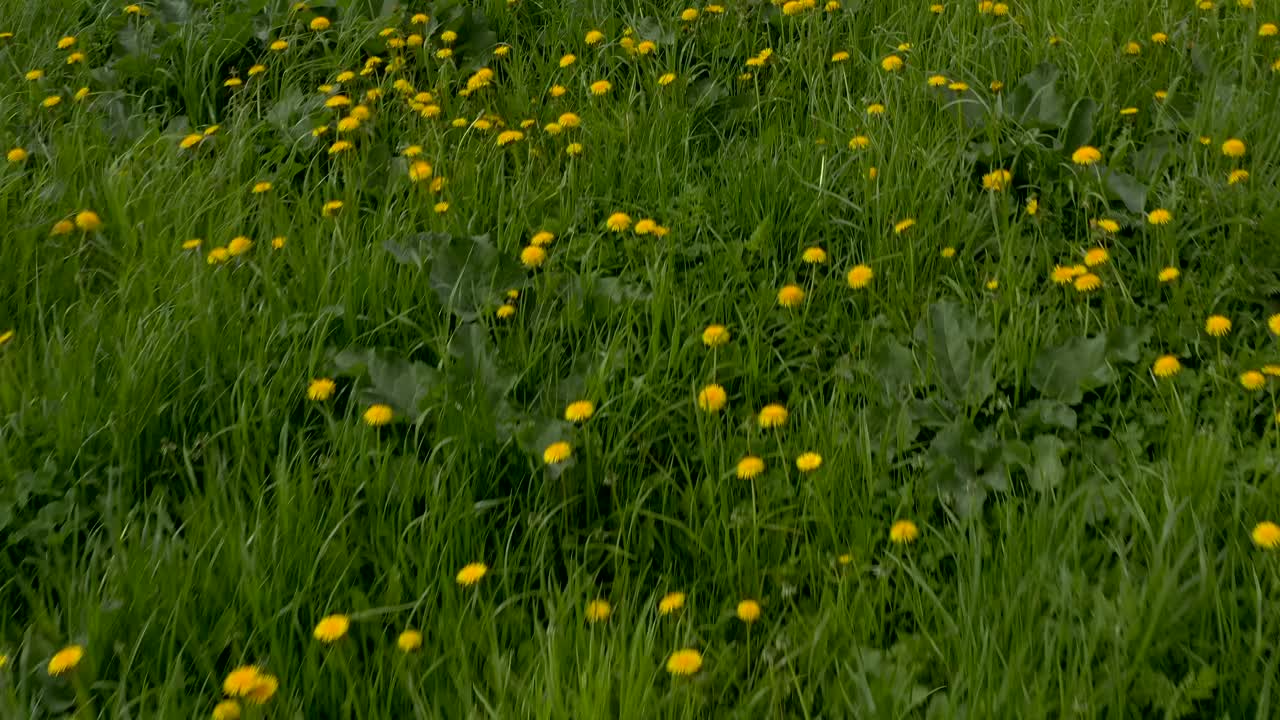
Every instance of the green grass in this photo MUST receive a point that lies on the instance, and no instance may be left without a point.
(172, 502)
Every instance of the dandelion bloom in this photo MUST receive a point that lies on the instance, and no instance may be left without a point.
(808, 462)
(1268, 30)
(875, 109)
(263, 689)
(378, 415)
(790, 296)
(996, 180)
(772, 416)
(240, 681)
(1233, 148)
(409, 640)
(568, 59)
(319, 23)
(279, 46)
(1108, 226)
(1088, 282)
(1169, 274)
(533, 256)
(471, 574)
(891, 63)
(903, 532)
(598, 610)
(859, 142)
(601, 87)
(839, 56)
(860, 276)
(948, 252)
(937, 80)
(903, 225)
(618, 222)
(579, 411)
(507, 137)
(420, 170)
(65, 660)
(1096, 257)
(239, 245)
(684, 662)
(749, 467)
(1160, 38)
(331, 628)
(278, 242)
(88, 221)
(5, 337)
(557, 452)
(670, 603)
(1217, 325)
(320, 389)
(1063, 274)
(666, 79)
(1237, 176)
(51, 101)
(573, 149)
(226, 710)
(748, 611)
(712, 398)
(1159, 216)
(17, 155)
(1253, 380)
(814, 256)
(1273, 324)
(218, 256)
(1086, 155)
(569, 120)
(594, 37)
(1166, 366)
(339, 147)
(1266, 535)
(505, 311)
(715, 336)
(262, 187)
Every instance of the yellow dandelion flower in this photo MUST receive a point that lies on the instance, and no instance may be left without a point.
(997, 180)
(420, 170)
(748, 611)
(618, 222)
(1237, 176)
(261, 187)
(1096, 256)
(715, 336)
(666, 79)
(808, 462)
(903, 532)
(712, 398)
(1268, 30)
(348, 123)
(557, 452)
(226, 710)
(1217, 325)
(1233, 148)
(684, 662)
(1063, 274)
(814, 256)
(948, 252)
(1266, 535)
(1159, 216)
(839, 56)
(749, 467)
(1132, 48)
(772, 415)
(263, 689)
(671, 602)
(903, 225)
(331, 628)
(506, 311)
(790, 296)
(1086, 155)
(860, 276)
(471, 574)
(601, 87)
(320, 389)
(1273, 324)
(1108, 226)
(319, 23)
(65, 660)
(340, 146)
(88, 221)
(278, 241)
(532, 256)
(378, 415)
(875, 109)
(598, 610)
(937, 81)
(1088, 282)
(279, 46)
(17, 155)
(579, 411)
(891, 63)
(240, 681)
(239, 245)
(1166, 366)
(1169, 274)
(1253, 380)
(217, 256)
(859, 142)
(409, 641)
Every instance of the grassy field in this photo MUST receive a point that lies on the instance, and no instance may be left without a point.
(634, 360)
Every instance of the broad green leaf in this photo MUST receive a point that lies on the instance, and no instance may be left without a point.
(1047, 471)
(1066, 372)
(1080, 125)
(1035, 100)
(1124, 343)
(1126, 189)
(1049, 413)
(961, 349)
